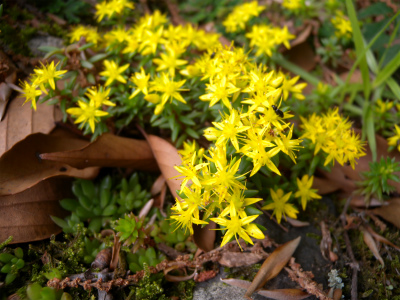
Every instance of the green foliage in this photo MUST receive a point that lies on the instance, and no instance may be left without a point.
(330, 51)
(148, 256)
(11, 264)
(375, 181)
(36, 292)
(130, 229)
(99, 204)
(71, 10)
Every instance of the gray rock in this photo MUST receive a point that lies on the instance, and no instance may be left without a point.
(43, 40)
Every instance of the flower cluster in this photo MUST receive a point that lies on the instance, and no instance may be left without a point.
(342, 26)
(89, 110)
(240, 15)
(333, 135)
(266, 38)
(258, 131)
(42, 79)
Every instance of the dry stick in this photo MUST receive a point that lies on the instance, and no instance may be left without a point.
(269, 216)
(354, 264)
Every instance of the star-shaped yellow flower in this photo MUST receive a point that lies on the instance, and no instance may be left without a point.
(113, 72)
(305, 192)
(280, 205)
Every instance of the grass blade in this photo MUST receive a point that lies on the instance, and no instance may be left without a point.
(387, 71)
(359, 44)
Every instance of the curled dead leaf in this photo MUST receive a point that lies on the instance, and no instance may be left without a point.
(26, 215)
(240, 259)
(370, 242)
(390, 212)
(273, 265)
(107, 151)
(204, 237)
(21, 166)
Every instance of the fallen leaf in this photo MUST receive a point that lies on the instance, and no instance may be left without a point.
(107, 151)
(370, 242)
(159, 191)
(338, 178)
(324, 186)
(26, 215)
(204, 237)
(380, 238)
(167, 157)
(302, 55)
(21, 121)
(240, 259)
(284, 294)
(359, 201)
(297, 223)
(390, 212)
(326, 241)
(8, 71)
(302, 37)
(281, 294)
(21, 166)
(273, 265)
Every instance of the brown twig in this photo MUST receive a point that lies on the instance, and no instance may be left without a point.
(304, 279)
(354, 264)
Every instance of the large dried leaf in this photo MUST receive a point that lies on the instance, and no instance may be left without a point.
(281, 294)
(8, 71)
(21, 166)
(21, 121)
(370, 242)
(26, 215)
(107, 151)
(390, 212)
(273, 265)
(240, 259)
(204, 237)
(167, 157)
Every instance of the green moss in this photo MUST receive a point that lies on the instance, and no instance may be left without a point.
(19, 45)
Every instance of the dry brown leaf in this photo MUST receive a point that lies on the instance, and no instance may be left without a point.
(273, 265)
(359, 201)
(355, 77)
(26, 215)
(302, 37)
(159, 191)
(337, 294)
(21, 167)
(283, 294)
(167, 157)
(240, 259)
(370, 242)
(326, 241)
(324, 186)
(297, 223)
(8, 72)
(107, 151)
(204, 237)
(338, 178)
(157, 185)
(302, 55)
(380, 238)
(21, 121)
(390, 212)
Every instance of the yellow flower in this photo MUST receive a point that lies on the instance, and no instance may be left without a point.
(230, 127)
(99, 96)
(186, 218)
(241, 14)
(293, 5)
(286, 144)
(47, 74)
(86, 113)
(108, 9)
(141, 80)
(30, 92)
(89, 33)
(342, 26)
(113, 72)
(280, 205)
(150, 41)
(169, 61)
(168, 87)
(235, 225)
(305, 192)
(394, 140)
(190, 171)
(219, 91)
